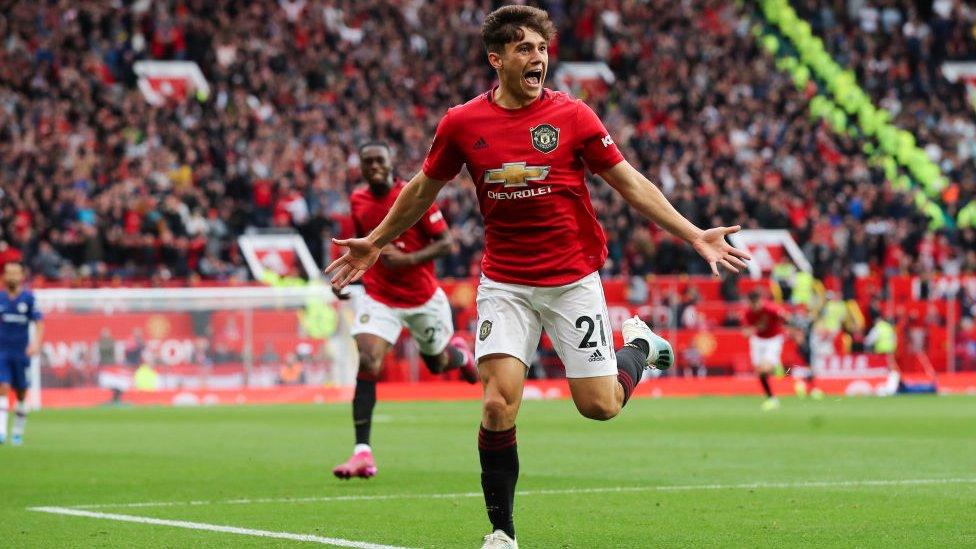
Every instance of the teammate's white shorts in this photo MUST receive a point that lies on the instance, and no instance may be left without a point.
(766, 351)
(511, 318)
(430, 324)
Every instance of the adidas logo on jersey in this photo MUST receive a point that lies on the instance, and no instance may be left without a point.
(597, 356)
(480, 144)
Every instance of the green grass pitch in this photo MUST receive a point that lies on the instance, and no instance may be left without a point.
(840, 472)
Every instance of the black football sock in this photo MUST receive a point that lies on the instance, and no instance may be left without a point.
(631, 360)
(455, 359)
(764, 380)
(363, 402)
(499, 473)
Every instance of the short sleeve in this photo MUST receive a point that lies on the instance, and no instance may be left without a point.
(433, 222)
(598, 150)
(444, 160)
(35, 312)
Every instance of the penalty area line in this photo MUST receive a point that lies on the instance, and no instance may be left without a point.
(335, 542)
(547, 492)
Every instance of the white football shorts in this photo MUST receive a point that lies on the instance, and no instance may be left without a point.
(431, 324)
(766, 351)
(511, 318)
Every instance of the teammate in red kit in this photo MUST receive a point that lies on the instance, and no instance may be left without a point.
(399, 291)
(527, 149)
(764, 325)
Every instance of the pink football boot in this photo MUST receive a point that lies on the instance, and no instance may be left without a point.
(469, 370)
(359, 465)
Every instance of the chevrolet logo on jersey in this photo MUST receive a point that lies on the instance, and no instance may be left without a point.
(516, 174)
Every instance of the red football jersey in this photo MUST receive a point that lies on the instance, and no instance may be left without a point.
(768, 320)
(410, 286)
(528, 166)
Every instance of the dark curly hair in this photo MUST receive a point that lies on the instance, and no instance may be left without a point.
(505, 24)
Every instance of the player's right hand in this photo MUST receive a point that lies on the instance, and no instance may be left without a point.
(350, 267)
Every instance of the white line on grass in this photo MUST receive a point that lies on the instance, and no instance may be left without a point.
(336, 542)
(544, 492)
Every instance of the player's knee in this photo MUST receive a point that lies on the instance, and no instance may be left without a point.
(497, 409)
(600, 409)
(370, 363)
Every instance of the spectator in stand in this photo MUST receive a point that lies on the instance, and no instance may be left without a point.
(223, 354)
(106, 348)
(269, 357)
(135, 347)
(201, 353)
(688, 316)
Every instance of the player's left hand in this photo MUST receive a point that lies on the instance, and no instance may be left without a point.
(712, 246)
(394, 258)
(33, 349)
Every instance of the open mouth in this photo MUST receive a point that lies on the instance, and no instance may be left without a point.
(533, 78)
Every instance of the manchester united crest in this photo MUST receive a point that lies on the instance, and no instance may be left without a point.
(545, 137)
(485, 330)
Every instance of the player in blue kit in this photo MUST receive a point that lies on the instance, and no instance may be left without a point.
(17, 311)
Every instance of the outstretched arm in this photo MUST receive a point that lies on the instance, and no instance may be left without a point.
(415, 198)
(647, 199)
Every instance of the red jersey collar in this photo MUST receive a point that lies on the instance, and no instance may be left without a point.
(490, 97)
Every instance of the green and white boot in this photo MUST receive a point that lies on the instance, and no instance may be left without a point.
(661, 355)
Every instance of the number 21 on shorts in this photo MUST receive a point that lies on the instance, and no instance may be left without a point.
(589, 325)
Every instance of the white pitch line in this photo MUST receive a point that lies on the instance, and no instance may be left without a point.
(546, 492)
(336, 542)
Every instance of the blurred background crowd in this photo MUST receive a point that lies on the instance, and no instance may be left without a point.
(97, 184)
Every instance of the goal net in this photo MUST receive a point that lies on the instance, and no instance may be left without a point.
(192, 338)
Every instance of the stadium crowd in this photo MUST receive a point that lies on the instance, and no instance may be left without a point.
(97, 183)
(897, 50)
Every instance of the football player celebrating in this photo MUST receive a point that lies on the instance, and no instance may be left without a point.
(527, 148)
(399, 291)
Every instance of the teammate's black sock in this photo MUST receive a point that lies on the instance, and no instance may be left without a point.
(764, 380)
(631, 360)
(363, 402)
(499, 473)
(455, 359)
